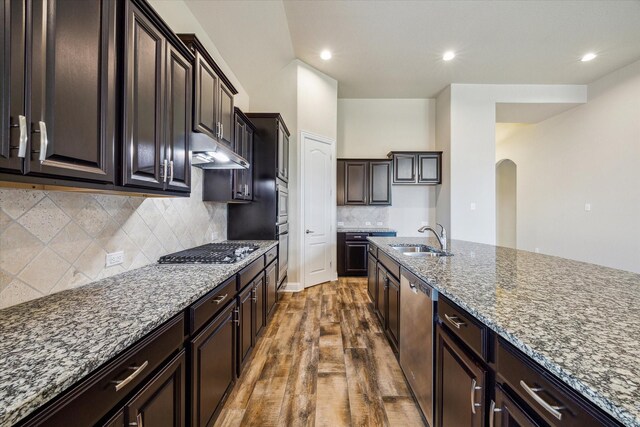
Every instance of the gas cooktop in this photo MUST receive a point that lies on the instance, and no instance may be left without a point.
(212, 253)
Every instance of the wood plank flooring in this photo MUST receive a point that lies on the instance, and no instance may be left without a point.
(323, 361)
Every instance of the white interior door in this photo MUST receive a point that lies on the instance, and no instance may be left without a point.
(318, 170)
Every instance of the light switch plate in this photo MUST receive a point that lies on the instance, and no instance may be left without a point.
(114, 258)
(473, 206)
(379, 223)
(587, 207)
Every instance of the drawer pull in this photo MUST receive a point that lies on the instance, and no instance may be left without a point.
(533, 392)
(136, 371)
(139, 420)
(454, 321)
(492, 411)
(413, 288)
(220, 298)
(474, 388)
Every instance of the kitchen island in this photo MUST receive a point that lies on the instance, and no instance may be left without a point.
(578, 321)
(49, 344)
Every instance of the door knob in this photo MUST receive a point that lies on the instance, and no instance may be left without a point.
(309, 231)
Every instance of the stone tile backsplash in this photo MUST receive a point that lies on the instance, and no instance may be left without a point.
(358, 216)
(51, 241)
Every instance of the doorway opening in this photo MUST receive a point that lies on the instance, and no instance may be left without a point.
(506, 203)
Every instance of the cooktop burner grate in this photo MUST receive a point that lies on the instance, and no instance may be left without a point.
(212, 253)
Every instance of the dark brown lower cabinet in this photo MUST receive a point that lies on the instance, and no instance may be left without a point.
(507, 413)
(246, 326)
(161, 402)
(460, 384)
(115, 421)
(372, 281)
(381, 291)
(271, 282)
(259, 300)
(392, 327)
(356, 258)
(213, 367)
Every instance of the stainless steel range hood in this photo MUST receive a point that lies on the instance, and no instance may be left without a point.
(209, 154)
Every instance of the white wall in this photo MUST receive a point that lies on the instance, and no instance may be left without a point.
(179, 17)
(471, 150)
(370, 128)
(506, 200)
(589, 154)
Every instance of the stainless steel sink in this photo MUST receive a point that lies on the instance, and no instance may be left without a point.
(420, 251)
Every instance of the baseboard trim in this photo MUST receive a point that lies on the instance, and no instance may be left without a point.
(292, 287)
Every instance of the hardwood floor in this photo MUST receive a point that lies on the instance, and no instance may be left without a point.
(323, 361)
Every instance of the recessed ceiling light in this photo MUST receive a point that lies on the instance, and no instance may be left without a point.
(449, 55)
(325, 54)
(588, 57)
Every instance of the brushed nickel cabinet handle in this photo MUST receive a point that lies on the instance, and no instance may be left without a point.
(165, 165)
(454, 321)
(236, 313)
(474, 388)
(22, 139)
(137, 370)
(139, 420)
(492, 411)
(44, 141)
(533, 392)
(171, 171)
(220, 298)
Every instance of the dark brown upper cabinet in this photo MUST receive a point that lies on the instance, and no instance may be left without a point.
(283, 152)
(417, 167)
(59, 114)
(157, 113)
(213, 103)
(226, 185)
(364, 182)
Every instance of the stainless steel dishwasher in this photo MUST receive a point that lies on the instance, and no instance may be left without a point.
(417, 339)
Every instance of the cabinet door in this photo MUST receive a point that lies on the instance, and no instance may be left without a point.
(429, 168)
(178, 123)
(380, 183)
(205, 111)
(115, 421)
(226, 117)
(356, 258)
(259, 303)
(248, 173)
(144, 161)
(283, 154)
(393, 312)
(341, 183)
(246, 326)
(381, 291)
(460, 385)
(404, 168)
(357, 189)
(372, 280)
(240, 176)
(271, 280)
(73, 89)
(161, 402)
(213, 369)
(507, 413)
(12, 86)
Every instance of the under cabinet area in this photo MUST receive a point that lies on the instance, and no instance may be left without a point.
(364, 182)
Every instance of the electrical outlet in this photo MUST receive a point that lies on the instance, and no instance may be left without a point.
(367, 223)
(340, 224)
(379, 223)
(473, 206)
(114, 258)
(587, 207)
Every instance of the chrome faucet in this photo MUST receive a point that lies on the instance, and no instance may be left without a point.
(442, 237)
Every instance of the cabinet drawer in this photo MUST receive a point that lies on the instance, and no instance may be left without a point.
(249, 272)
(373, 250)
(90, 400)
(270, 255)
(551, 400)
(208, 306)
(390, 264)
(472, 332)
(356, 236)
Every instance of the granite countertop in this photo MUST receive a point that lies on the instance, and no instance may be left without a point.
(580, 321)
(48, 344)
(364, 230)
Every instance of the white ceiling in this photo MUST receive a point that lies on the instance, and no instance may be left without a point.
(393, 48)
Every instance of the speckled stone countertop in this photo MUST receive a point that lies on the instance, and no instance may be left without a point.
(364, 230)
(580, 321)
(48, 344)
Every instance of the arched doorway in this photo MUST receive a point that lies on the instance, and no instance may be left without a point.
(506, 203)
